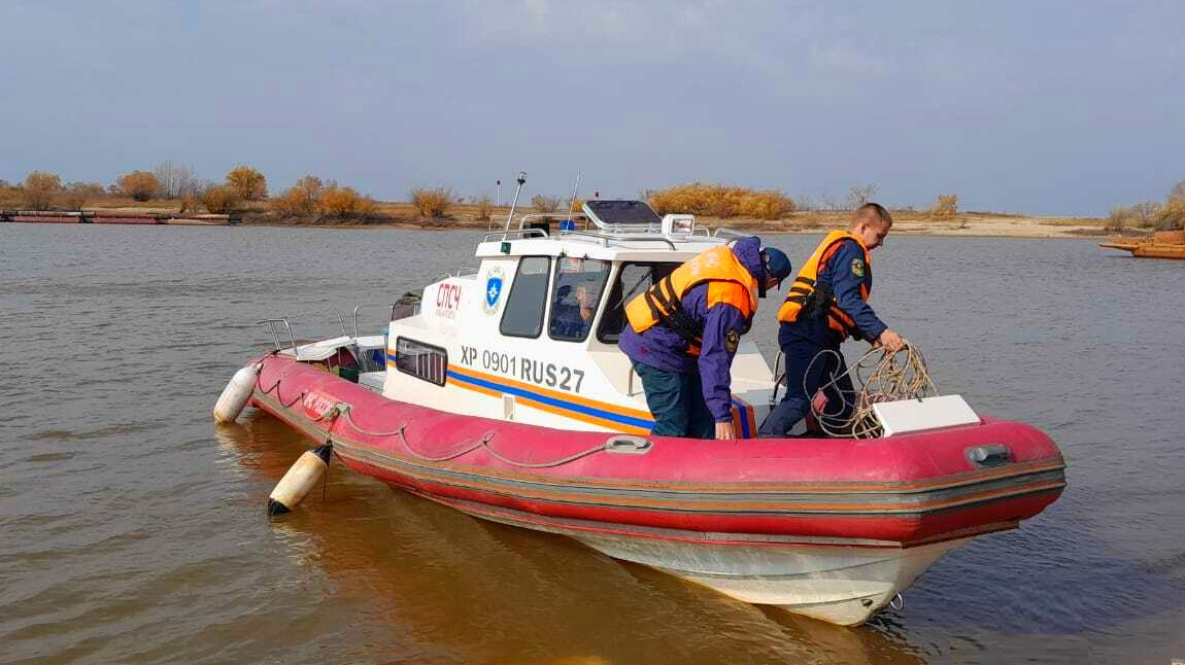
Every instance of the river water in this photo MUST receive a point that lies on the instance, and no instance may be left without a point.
(132, 530)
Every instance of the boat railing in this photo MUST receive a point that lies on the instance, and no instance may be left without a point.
(273, 325)
(514, 233)
(618, 239)
(725, 232)
(525, 221)
(461, 272)
(370, 305)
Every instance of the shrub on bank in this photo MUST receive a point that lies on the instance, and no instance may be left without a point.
(140, 185)
(77, 194)
(301, 199)
(249, 184)
(220, 199)
(1120, 218)
(434, 202)
(946, 207)
(545, 204)
(485, 206)
(10, 195)
(345, 202)
(40, 190)
(1171, 216)
(721, 201)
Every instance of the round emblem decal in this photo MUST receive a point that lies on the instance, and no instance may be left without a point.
(493, 293)
(731, 340)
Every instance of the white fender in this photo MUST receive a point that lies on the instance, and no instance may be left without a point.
(236, 393)
(302, 477)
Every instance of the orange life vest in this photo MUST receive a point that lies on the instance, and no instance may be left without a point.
(805, 284)
(729, 282)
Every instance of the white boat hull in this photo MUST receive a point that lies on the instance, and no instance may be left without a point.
(842, 581)
(842, 584)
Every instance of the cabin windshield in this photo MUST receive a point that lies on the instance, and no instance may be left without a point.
(578, 287)
(523, 316)
(632, 279)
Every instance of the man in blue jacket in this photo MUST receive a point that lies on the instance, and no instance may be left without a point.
(827, 303)
(684, 330)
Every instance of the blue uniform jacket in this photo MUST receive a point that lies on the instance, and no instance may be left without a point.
(662, 348)
(842, 272)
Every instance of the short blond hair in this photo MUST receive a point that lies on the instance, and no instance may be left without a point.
(873, 210)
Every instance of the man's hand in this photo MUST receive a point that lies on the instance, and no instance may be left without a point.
(890, 341)
(724, 432)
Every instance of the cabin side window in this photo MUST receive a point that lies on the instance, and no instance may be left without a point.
(523, 314)
(578, 287)
(423, 361)
(632, 279)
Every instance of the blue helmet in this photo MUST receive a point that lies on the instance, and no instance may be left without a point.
(777, 264)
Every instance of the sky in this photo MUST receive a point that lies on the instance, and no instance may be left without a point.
(1046, 108)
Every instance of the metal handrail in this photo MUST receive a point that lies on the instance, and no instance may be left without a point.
(550, 215)
(461, 272)
(271, 323)
(724, 232)
(522, 233)
(618, 239)
(369, 304)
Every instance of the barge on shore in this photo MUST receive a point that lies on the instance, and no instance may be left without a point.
(115, 217)
(1161, 245)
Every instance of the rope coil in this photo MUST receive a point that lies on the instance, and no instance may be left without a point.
(879, 376)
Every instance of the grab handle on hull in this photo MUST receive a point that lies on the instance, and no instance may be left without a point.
(628, 445)
(994, 454)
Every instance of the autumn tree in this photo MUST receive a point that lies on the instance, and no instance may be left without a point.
(251, 185)
(76, 194)
(485, 206)
(40, 189)
(434, 202)
(220, 199)
(858, 195)
(1145, 213)
(545, 204)
(303, 198)
(946, 207)
(177, 181)
(1177, 193)
(140, 185)
(345, 202)
(1119, 218)
(1171, 216)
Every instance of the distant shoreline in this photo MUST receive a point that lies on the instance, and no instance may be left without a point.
(399, 215)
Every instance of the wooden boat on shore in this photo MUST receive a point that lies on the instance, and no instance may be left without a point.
(500, 398)
(1161, 245)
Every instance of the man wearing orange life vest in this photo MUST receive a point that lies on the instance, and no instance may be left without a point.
(827, 303)
(683, 331)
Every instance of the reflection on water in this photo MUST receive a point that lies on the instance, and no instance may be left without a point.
(134, 529)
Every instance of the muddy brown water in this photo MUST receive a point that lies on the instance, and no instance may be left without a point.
(132, 530)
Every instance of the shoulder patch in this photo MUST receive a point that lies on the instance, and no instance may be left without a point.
(858, 267)
(731, 340)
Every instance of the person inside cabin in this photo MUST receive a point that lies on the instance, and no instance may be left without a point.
(578, 290)
(684, 330)
(827, 303)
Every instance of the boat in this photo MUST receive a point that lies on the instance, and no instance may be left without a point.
(501, 392)
(1161, 245)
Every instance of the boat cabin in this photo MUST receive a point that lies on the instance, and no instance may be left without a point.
(531, 335)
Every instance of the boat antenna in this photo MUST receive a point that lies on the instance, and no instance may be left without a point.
(522, 179)
(572, 203)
